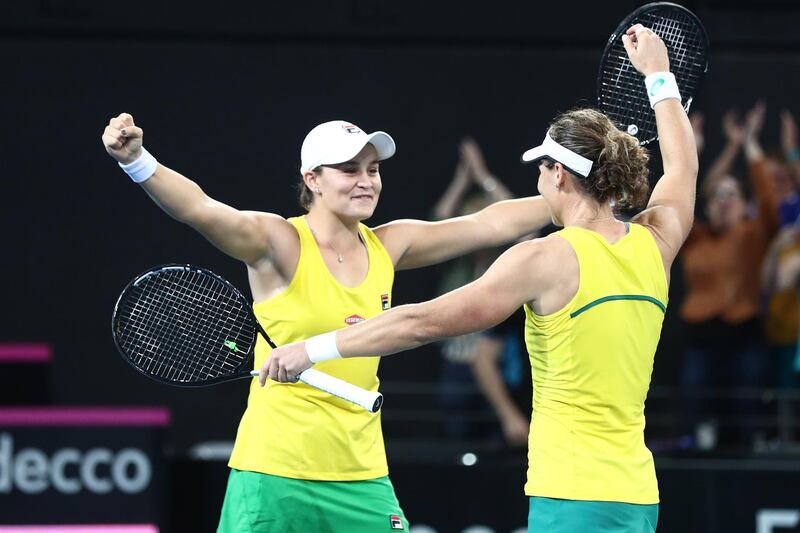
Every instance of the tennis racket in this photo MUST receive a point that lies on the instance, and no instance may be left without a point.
(620, 88)
(186, 326)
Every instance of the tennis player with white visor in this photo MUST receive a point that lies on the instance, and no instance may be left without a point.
(594, 295)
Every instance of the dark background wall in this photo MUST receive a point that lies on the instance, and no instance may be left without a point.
(225, 94)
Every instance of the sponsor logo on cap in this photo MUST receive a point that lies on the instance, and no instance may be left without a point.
(349, 128)
(353, 319)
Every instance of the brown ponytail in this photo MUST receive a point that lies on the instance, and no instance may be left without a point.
(620, 170)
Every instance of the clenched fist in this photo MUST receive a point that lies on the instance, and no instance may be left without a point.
(123, 139)
(647, 51)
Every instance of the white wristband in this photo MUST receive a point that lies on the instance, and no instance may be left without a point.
(142, 168)
(322, 347)
(660, 86)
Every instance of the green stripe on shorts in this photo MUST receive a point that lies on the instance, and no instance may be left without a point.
(551, 515)
(262, 503)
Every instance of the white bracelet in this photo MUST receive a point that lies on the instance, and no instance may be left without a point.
(660, 86)
(142, 168)
(322, 347)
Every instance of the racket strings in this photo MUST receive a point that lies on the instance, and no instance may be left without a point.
(685, 47)
(620, 90)
(190, 355)
(157, 353)
(185, 325)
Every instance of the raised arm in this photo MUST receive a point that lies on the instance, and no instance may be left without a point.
(734, 137)
(451, 199)
(245, 235)
(472, 155)
(471, 170)
(670, 212)
(761, 178)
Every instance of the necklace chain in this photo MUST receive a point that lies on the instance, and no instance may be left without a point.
(316, 236)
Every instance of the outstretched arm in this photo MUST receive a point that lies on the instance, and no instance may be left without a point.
(519, 275)
(246, 235)
(414, 243)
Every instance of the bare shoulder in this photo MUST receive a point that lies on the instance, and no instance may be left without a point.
(280, 239)
(553, 273)
(549, 259)
(397, 227)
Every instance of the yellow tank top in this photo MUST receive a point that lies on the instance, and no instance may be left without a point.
(591, 364)
(297, 431)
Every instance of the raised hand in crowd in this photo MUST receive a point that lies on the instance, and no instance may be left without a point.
(753, 123)
(472, 155)
(733, 130)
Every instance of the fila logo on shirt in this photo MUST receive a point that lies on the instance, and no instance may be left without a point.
(395, 522)
(385, 302)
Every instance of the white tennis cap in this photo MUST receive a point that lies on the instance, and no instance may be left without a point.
(575, 163)
(339, 141)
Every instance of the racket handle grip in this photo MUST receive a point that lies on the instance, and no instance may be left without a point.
(371, 401)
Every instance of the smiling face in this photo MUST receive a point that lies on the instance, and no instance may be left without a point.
(351, 189)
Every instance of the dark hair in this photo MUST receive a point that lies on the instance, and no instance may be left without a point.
(619, 170)
(304, 195)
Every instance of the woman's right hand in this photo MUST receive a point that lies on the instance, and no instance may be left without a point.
(123, 139)
(646, 50)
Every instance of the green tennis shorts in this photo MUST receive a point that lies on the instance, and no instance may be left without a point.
(549, 515)
(262, 503)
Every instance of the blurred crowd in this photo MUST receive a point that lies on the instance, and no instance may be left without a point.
(739, 277)
(740, 271)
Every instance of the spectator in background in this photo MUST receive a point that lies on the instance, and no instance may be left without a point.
(780, 273)
(782, 310)
(492, 359)
(785, 167)
(722, 261)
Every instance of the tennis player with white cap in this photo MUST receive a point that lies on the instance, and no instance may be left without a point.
(304, 460)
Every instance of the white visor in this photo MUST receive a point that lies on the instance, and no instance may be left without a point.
(575, 163)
